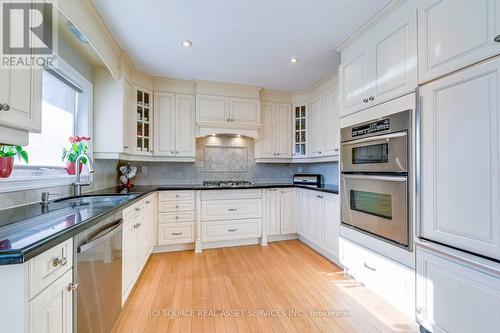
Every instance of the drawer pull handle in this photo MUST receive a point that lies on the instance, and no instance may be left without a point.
(59, 261)
(72, 287)
(176, 233)
(148, 202)
(137, 209)
(232, 209)
(232, 230)
(137, 225)
(370, 268)
(176, 195)
(319, 196)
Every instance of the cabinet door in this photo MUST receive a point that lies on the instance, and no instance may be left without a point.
(287, 218)
(164, 119)
(273, 212)
(394, 53)
(316, 134)
(129, 114)
(315, 218)
(268, 131)
(52, 310)
(244, 111)
(185, 145)
(21, 89)
(303, 212)
(354, 73)
(213, 109)
(461, 141)
(150, 220)
(300, 129)
(283, 131)
(453, 296)
(142, 240)
(455, 33)
(129, 265)
(331, 224)
(331, 123)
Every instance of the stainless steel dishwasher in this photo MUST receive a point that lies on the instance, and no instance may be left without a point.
(98, 276)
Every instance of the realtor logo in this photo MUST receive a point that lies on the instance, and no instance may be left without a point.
(29, 33)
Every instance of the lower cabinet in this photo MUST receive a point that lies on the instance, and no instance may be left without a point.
(279, 211)
(455, 295)
(175, 233)
(176, 217)
(52, 310)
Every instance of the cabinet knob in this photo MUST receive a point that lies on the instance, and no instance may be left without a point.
(72, 286)
(365, 100)
(232, 119)
(5, 107)
(137, 209)
(372, 98)
(497, 38)
(319, 196)
(148, 202)
(336, 149)
(59, 261)
(228, 120)
(125, 147)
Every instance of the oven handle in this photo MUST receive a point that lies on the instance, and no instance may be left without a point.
(383, 178)
(375, 138)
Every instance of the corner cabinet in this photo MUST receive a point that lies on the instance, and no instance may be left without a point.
(300, 125)
(174, 129)
(381, 64)
(143, 120)
(275, 140)
(453, 34)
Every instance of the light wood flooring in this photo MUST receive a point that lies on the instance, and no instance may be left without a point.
(284, 287)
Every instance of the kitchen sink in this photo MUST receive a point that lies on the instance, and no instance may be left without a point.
(97, 200)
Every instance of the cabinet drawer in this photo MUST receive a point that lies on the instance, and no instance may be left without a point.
(47, 267)
(390, 280)
(175, 206)
(237, 229)
(231, 209)
(176, 195)
(176, 217)
(231, 194)
(175, 233)
(132, 211)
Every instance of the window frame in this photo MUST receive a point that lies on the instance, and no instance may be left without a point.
(26, 177)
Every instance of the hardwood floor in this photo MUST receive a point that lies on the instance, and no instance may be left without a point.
(285, 287)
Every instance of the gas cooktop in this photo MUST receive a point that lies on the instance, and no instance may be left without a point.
(227, 183)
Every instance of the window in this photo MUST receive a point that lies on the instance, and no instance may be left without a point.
(59, 121)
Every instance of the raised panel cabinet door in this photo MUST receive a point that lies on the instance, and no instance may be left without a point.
(303, 212)
(453, 34)
(142, 240)
(210, 108)
(244, 111)
(283, 130)
(331, 123)
(460, 168)
(129, 263)
(52, 310)
(354, 75)
(394, 54)
(129, 114)
(164, 129)
(317, 128)
(273, 212)
(453, 296)
(185, 124)
(287, 218)
(267, 136)
(331, 223)
(315, 217)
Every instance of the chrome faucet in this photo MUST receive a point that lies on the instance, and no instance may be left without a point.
(77, 185)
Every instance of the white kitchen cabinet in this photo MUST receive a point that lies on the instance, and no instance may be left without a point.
(211, 108)
(460, 167)
(176, 217)
(174, 125)
(130, 256)
(302, 211)
(244, 111)
(52, 310)
(273, 210)
(300, 125)
(331, 130)
(455, 295)
(317, 127)
(142, 121)
(453, 34)
(381, 64)
(331, 224)
(287, 218)
(275, 140)
(316, 214)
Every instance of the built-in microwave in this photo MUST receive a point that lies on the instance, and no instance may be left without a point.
(374, 177)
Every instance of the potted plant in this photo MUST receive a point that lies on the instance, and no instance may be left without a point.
(7, 154)
(79, 145)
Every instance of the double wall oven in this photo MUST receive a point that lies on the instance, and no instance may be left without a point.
(375, 177)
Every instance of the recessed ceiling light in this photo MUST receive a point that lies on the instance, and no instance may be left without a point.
(187, 43)
(294, 60)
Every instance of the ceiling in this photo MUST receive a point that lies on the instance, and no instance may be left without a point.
(238, 41)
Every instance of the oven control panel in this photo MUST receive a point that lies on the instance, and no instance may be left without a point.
(376, 126)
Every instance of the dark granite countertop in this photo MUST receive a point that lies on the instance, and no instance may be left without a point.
(27, 231)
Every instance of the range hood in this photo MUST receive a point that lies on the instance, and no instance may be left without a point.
(207, 130)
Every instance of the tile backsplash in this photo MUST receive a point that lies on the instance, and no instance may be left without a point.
(223, 158)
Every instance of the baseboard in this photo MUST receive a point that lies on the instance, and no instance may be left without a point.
(324, 253)
(173, 248)
(277, 238)
(229, 243)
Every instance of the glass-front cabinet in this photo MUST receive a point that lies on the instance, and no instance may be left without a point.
(143, 121)
(300, 130)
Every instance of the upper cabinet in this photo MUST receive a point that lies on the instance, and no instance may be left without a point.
(455, 33)
(143, 121)
(381, 64)
(324, 125)
(227, 111)
(174, 125)
(300, 127)
(275, 140)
